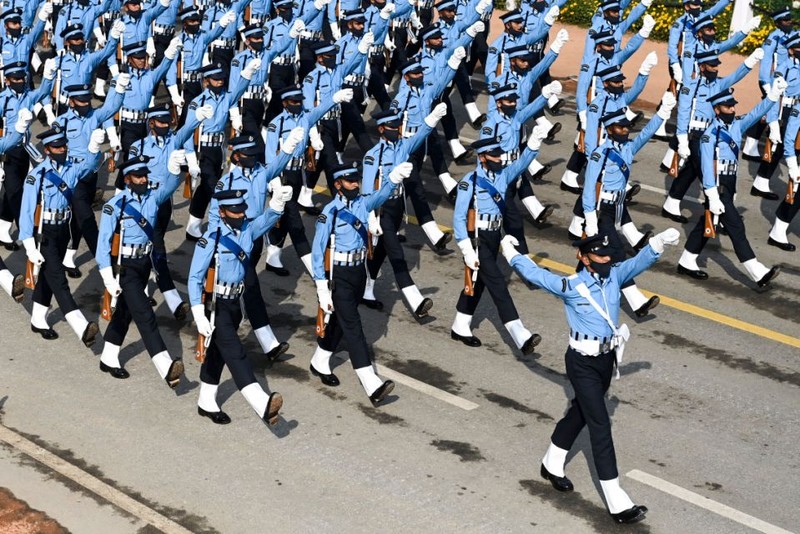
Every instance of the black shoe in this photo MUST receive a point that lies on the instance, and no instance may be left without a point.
(529, 346)
(559, 483)
(553, 131)
(46, 333)
(10, 246)
(633, 191)
(173, 377)
(677, 218)
(769, 195)
(663, 168)
(219, 418)
(310, 210)
(470, 341)
(643, 241)
(379, 394)
(116, 372)
(329, 380)
(477, 123)
(152, 302)
(274, 405)
(423, 308)
(451, 196)
(401, 238)
(190, 237)
(748, 157)
(645, 308)
(280, 271)
(788, 247)
(573, 237)
(697, 275)
(372, 304)
(767, 278)
(573, 190)
(546, 168)
(18, 288)
(277, 351)
(666, 138)
(631, 515)
(466, 158)
(441, 245)
(90, 333)
(556, 109)
(42, 116)
(72, 272)
(721, 230)
(546, 212)
(181, 311)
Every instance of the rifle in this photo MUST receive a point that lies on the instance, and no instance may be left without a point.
(767, 157)
(209, 297)
(710, 227)
(790, 192)
(582, 141)
(323, 316)
(471, 275)
(372, 240)
(674, 167)
(31, 270)
(110, 302)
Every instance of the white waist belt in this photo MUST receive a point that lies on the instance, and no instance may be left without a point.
(352, 257)
(229, 291)
(135, 251)
(223, 43)
(610, 196)
(698, 124)
(132, 115)
(591, 347)
(56, 216)
(489, 222)
(212, 138)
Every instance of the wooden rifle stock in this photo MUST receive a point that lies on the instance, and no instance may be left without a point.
(469, 286)
(790, 192)
(767, 157)
(106, 310)
(208, 292)
(675, 165)
(187, 186)
(200, 348)
(311, 159)
(30, 268)
(320, 328)
(709, 230)
(582, 142)
(673, 88)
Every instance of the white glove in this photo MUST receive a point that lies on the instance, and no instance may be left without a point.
(476, 28)
(113, 139)
(316, 139)
(401, 172)
(45, 12)
(236, 119)
(114, 70)
(50, 68)
(336, 33)
(174, 45)
(100, 39)
(319, 4)
(753, 59)
(123, 82)
(415, 22)
(754, 23)
(470, 254)
(714, 203)
(324, 296)
(176, 159)
(194, 168)
(96, 139)
(483, 5)
(511, 5)
(374, 225)
(342, 95)
(561, 38)
(647, 3)
(150, 47)
(386, 11)
(765, 87)
(551, 16)
(670, 236)
(668, 103)
(649, 62)
(775, 133)
(538, 135)
(294, 138)
(794, 171)
(117, 29)
(582, 119)
(204, 327)
(389, 44)
(508, 246)
(110, 281)
(458, 56)
(34, 255)
(591, 223)
(366, 42)
(228, 18)
(776, 90)
(204, 112)
(175, 96)
(551, 89)
(677, 72)
(297, 27)
(164, 3)
(683, 146)
(252, 66)
(648, 23)
(281, 194)
(24, 118)
(436, 114)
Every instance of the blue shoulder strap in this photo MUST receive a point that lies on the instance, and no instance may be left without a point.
(234, 247)
(726, 138)
(354, 221)
(492, 190)
(616, 157)
(60, 184)
(130, 210)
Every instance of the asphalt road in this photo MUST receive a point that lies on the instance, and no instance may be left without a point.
(706, 406)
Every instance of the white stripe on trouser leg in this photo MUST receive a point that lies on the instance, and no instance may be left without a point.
(69, 258)
(631, 233)
(5, 231)
(173, 299)
(535, 167)
(110, 355)
(433, 232)
(307, 262)
(39, 315)
(668, 157)
(533, 205)
(304, 198)
(77, 322)
(755, 269)
(751, 147)
(616, 498)
(518, 332)
(576, 225)
(370, 381)
(462, 325)
(163, 362)
(456, 147)
(194, 226)
(6, 281)
(447, 182)
(554, 460)
(552, 101)
(274, 256)
(778, 232)
(472, 111)
(634, 297)
(570, 178)
(208, 397)
(321, 360)
(412, 296)
(672, 205)
(266, 338)
(256, 397)
(689, 261)
(369, 289)
(761, 183)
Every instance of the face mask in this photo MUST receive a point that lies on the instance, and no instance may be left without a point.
(285, 14)
(83, 3)
(711, 76)
(350, 194)
(615, 89)
(416, 81)
(60, 159)
(602, 269)
(607, 54)
(138, 189)
(247, 162)
(539, 6)
(709, 39)
(215, 90)
(161, 131)
(294, 109)
(508, 111)
(495, 166)
(135, 15)
(447, 19)
(329, 62)
(191, 28)
(612, 20)
(436, 47)
(14, 32)
(727, 118)
(357, 33)
(785, 26)
(694, 11)
(78, 48)
(17, 87)
(236, 223)
(258, 46)
(515, 33)
(82, 110)
(619, 138)
(520, 70)
(391, 135)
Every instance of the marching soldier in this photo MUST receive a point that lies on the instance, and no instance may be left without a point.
(789, 205)
(719, 153)
(596, 344)
(223, 47)
(226, 248)
(608, 18)
(44, 230)
(340, 249)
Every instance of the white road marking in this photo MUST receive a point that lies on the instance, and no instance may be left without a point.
(93, 484)
(705, 502)
(422, 387)
(662, 191)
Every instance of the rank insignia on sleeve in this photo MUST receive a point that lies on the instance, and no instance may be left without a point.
(108, 209)
(271, 127)
(202, 242)
(768, 42)
(492, 50)
(309, 79)
(219, 185)
(593, 108)
(595, 156)
(235, 63)
(705, 139)
(463, 185)
(322, 218)
(30, 180)
(677, 24)
(369, 160)
(584, 68)
(687, 54)
(795, 113)
(592, 33)
(193, 105)
(685, 90)
(564, 285)
(487, 131)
